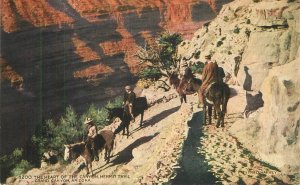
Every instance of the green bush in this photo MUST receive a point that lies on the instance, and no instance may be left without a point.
(150, 73)
(248, 21)
(256, 1)
(21, 168)
(13, 164)
(197, 67)
(70, 128)
(168, 44)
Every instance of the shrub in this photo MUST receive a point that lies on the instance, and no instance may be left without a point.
(248, 21)
(236, 30)
(13, 164)
(256, 1)
(150, 73)
(219, 43)
(197, 67)
(70, 128)
(21, 168)
(248, 32)
(226, 19)
(168, 44)
(197, 54)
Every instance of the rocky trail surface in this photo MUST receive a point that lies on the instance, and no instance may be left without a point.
(174, 147)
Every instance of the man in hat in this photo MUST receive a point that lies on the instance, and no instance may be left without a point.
(209, 75)
(92, 134)
(129, 97)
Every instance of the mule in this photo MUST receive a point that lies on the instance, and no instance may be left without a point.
(183, 89)
(217, 96)
(104, 140)
(138, 108)
(73, 151)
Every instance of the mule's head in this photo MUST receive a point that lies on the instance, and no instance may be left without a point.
(67, 152)
(114, 113)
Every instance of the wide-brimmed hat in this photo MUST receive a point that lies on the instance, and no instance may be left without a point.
(87, 120)
(127, 87)
(208, 57)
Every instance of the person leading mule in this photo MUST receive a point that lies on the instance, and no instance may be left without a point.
(209, 76)
(91, 136)
(129, 98)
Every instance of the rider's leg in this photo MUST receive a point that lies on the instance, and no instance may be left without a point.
(130, 111)
(95, 153)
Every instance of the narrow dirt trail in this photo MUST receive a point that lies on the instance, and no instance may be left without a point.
(211, 155)
(173, 147)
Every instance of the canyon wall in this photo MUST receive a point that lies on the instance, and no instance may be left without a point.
(77, 52)
(257, 44)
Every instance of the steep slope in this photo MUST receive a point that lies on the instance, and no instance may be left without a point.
(71, 52)
(258, 46)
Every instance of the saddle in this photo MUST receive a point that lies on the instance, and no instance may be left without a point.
(206, 91)
(208, 87)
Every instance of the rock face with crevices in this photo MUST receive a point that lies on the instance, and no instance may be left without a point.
(257, 43)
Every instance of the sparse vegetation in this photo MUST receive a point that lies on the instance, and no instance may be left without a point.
(125, 8)
(161, 56)
(150, 73)
(197, 67)
(197, 55)
(256, 1)
(226, 19)
(53, 135)
(248, 21)
(22, 167)
(236, 30)
(248, 32)
(13, 164)
(219, 43)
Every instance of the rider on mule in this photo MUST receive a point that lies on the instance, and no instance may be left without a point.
(92, 133)
(209, 75)
(129, 98)
(188, 75)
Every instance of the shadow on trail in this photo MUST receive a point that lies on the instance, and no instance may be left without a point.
(155, 119)
(125, 155)
(193, 167)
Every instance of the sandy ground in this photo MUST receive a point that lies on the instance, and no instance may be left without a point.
(173, 147)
